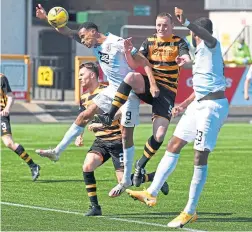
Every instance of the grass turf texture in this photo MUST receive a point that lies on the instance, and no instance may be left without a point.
(225, 204)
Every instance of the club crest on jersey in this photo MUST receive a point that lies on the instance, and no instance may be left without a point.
(108, 47)
(104, 57)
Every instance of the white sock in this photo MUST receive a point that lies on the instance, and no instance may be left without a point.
(165, 168)
(72, 133)
(197, 184)
(128, 160)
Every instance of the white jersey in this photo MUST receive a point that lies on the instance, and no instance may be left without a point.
(249, 73)
(111, 57)
(208, 69)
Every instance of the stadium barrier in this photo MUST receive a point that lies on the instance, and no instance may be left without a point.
(235, 77)
(17, 68)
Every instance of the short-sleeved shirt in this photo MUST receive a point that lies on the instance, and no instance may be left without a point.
(208, 76)
(161, 54)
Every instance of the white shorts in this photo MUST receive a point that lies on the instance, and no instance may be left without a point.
(201, 123)
(130, 110)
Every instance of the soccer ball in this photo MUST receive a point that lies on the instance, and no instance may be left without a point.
(57, 17)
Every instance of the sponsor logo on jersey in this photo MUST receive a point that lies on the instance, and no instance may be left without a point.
(104, 57)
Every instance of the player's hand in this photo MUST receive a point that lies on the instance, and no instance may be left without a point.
(94, 126)
(40, 12)
(246, 97)
(179, 14)
(79, 141)
(176, 111)
(128, 46)
(154, 90)
(180, 60)
(5, 112)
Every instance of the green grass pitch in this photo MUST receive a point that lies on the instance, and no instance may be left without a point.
(58, 200)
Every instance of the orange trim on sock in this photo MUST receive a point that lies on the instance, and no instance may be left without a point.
(147, 155)
(91, 194)
(23, 154)
(150, 148)
(91, 186)
(120, 95)
(116, 103)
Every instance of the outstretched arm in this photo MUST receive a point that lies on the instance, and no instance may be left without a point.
(73, 34)
(210, 41)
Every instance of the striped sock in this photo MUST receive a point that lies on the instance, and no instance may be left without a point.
(23, 155)
(90, 183)
(120, 98)
(150, 149)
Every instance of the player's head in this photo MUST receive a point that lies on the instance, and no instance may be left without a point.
(88, 33)
(88, 74)
(204, 22)
(164, 25)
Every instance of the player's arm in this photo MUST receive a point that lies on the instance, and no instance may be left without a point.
(182, 106)
(136, 59)
(7, 90)
(184, 56)
(73, 34)
(209, 40)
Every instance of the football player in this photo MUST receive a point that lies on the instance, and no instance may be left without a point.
(7, 100)
(108, 142)
(206, 110)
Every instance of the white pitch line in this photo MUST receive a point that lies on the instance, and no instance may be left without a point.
(81, 214)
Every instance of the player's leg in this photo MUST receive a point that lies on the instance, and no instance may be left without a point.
(129, 119)
(210, 117)
(76, 129)
(128, 159)
(161, 109)
(160, 126)
(133, 81)
(92, 161)
(17, 148)
(185, 132)
(96, 156)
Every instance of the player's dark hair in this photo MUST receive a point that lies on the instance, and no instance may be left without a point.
(91, 66)
(88, 25)
(164, 14)
(205, 23)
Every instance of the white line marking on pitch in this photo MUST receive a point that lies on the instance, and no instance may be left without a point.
(81, 214)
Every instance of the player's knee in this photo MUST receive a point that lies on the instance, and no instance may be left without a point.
(10, 144)
(88, 167)
(174, 145)
(127, 138)
(159, 135)
(201, 157)
(130, 78)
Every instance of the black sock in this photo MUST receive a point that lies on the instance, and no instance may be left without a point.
(120, 98)
(90, 183)
(23, 155)
(150, 149)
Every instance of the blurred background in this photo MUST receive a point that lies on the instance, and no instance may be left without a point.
(40, 63)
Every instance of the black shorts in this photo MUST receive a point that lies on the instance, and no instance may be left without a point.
(163, 104)
(5, 126)
(109, 149)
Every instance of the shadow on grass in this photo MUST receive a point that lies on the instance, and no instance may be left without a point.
(203, 216)
(51, 181)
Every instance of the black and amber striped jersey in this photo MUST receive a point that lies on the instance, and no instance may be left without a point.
(161, 54)
(5, 88)
(108, 133)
